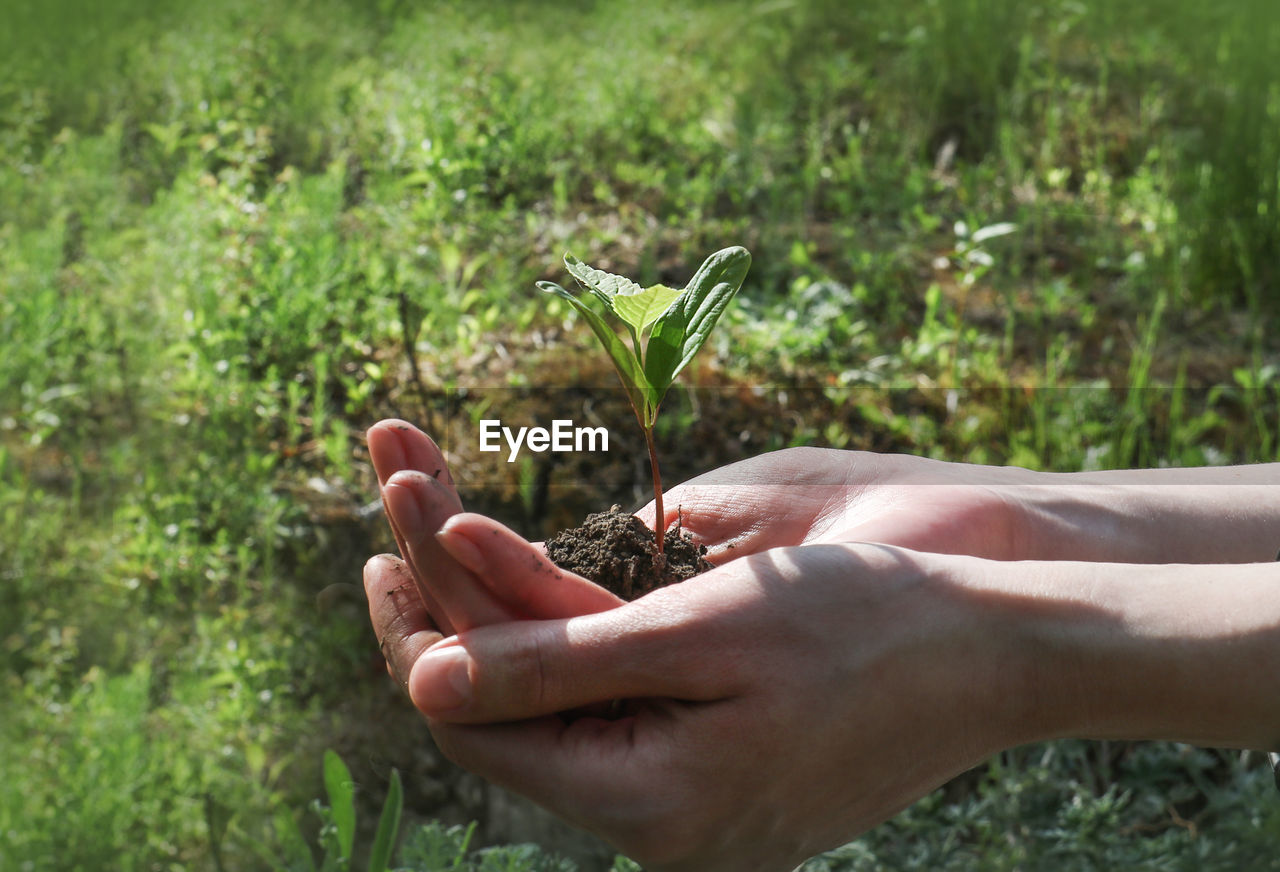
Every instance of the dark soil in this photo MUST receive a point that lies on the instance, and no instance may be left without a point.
(617, 551)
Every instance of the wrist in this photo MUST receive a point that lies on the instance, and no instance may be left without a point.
(1178, 652)
(1204, 515)
(1062, 518)
(1001, 660)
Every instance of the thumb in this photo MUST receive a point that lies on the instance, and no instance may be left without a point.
(525, 669)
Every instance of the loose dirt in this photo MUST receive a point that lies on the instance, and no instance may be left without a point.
(617, 551)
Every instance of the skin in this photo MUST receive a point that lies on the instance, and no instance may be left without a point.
(888, 621)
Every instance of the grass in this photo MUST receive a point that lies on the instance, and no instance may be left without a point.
(232, 237)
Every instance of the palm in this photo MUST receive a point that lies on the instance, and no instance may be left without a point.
(810, 495)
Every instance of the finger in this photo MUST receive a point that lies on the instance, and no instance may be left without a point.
(395, 445)
(654, 647)
(433, 605)
(418, 505)
(400, 621)
(518, 572)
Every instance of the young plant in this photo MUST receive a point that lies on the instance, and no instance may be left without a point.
(666, 326)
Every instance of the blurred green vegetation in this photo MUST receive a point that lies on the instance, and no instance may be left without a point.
(224, 226)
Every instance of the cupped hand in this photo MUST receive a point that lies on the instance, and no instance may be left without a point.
(805, 693)
(802, 496)
(777, 706)
(792, 497)
(470, 571)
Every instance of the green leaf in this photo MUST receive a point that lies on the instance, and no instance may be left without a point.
(604, 285)
(679, 333)
(628, 366)
(342, 805)
(298, 855)
(388, 824)
(639, 310)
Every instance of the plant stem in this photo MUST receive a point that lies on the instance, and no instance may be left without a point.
(659, 517)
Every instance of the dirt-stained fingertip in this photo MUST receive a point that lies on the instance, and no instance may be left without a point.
(380, 561)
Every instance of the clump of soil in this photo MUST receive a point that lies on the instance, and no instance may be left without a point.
(617, 551)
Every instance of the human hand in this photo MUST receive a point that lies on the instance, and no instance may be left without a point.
(718, 692)
(785, 702)
(812, 495)
(735, 711)
(777, 705)
(791, 497)
(801, 496)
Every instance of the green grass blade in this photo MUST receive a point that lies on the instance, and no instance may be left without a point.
(633, 377)
(342, 805)
(464, 845)
(388, 825)
(680, 332)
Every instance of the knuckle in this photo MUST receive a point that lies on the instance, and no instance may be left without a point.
(515, 682)
(533, 674)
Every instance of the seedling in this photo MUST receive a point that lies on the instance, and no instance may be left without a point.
(667, 327)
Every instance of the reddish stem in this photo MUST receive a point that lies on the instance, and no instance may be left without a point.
(659, 517)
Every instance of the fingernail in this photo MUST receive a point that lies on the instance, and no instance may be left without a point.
(386, 562)
(402, 506)
(462, 549)
(441, 680)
